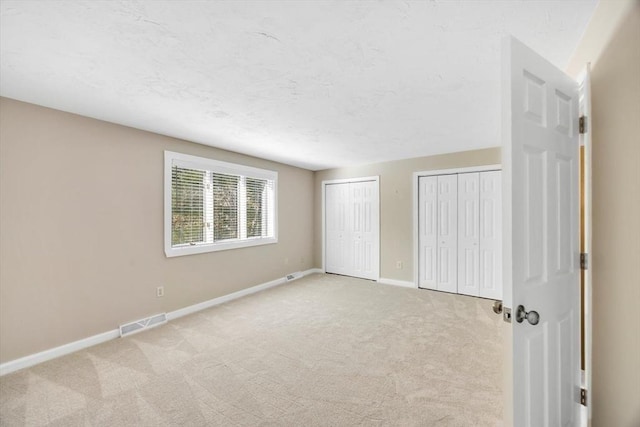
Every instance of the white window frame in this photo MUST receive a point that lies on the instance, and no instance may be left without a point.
(184, 160)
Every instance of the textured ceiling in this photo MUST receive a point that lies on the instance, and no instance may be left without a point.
(315, 84)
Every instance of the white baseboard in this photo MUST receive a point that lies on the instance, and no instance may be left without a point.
(221, 300)
(53, 353)
(394, 282)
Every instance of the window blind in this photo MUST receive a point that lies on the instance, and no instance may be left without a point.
(187, 206)
(225, 206)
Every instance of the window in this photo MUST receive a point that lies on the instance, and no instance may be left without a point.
(212, 205)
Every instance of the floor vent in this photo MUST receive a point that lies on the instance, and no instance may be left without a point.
(143, 324)
(293, 276)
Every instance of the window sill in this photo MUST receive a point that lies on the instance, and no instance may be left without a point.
(221, 246)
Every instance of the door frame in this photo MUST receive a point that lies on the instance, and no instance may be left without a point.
(416, 189)
(585, 141)
(376, 180)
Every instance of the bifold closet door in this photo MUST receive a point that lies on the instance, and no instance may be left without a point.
(363, 204)
(437, 243)
(490, 283)
(447, 278)
(479, 234)
(336, 220)
(459, 226)
(428, 229)
(351, 229)
(468, 234)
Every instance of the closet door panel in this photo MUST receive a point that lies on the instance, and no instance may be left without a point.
(338, 237)
(355, 205)
(447, 233)
(490, 285)
(428, 231)
(363, 202)
(468, 234)
(370, 229)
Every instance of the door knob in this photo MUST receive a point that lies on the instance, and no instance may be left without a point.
(532, 316)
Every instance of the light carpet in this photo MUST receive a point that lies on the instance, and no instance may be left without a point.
(324, 350)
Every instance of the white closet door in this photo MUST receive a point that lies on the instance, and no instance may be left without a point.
(447, 279)
(356, 205)
(337, 236)
(491, 235)
(468, 234)
(363, 204)
(428, 230)
(352, 229)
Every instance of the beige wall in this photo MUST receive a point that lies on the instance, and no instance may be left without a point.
(615, 86)
(81, 217)
(396, 203)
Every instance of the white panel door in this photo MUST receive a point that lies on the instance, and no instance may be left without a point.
(541, 246)
(364, 213)
(490, 198)
(337, 236)
(428, 231)
(468, 234)
(352, 229)
(356, 205)
(447, 278)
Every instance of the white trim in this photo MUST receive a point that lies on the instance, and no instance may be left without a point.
(185, 160)
(225, 298)
(196, 162)
(394, 282)
(415, 178)
(347, 180)
(220, 246)
(415, 235)
(323, 185)
(53, 353)
(323, 197)
(481, 168)
(584, 88)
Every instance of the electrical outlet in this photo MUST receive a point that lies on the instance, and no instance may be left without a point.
(160, 291)
(286, 261)
(399, 265)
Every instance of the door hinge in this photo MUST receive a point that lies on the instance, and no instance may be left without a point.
(584, 261)
(582, 124)
(583, 397)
